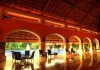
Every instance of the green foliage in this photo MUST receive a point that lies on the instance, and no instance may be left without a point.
(57, 46)
(94, 44)
(34, 46)
(11, 46)
(75, 46)
(86, 46)
(50, 46)
(21, 46)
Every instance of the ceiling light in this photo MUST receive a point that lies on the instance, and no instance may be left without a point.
(22, 16)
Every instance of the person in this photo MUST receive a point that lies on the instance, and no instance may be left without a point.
(72, 51)
(66, 50)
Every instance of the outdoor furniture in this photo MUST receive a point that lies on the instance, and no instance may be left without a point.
(13, 55)
(29, 57)
(41, 52)
(27, 53)
(50, 53)
(72, 51)
(17, 56)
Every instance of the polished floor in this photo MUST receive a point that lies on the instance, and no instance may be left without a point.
(87, 61)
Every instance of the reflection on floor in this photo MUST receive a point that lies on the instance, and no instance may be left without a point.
(60, 62)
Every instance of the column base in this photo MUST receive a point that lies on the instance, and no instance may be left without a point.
(2, 58)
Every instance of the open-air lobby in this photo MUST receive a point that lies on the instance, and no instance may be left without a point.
(49, 34)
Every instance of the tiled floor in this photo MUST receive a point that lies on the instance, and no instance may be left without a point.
(61, 62)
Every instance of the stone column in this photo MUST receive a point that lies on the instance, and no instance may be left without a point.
(67, 41)
(82, 44)
(2, 52)
(42, 44)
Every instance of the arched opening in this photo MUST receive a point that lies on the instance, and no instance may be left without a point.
(56, 43)
(95, 44)
(87, 44)
(88, 51)
(96, 48)
(75, 44)
(22, 40)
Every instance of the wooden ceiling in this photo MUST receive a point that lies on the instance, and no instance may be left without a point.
(80, 13)
(73, 40)
(21, 36)
(53, 38)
